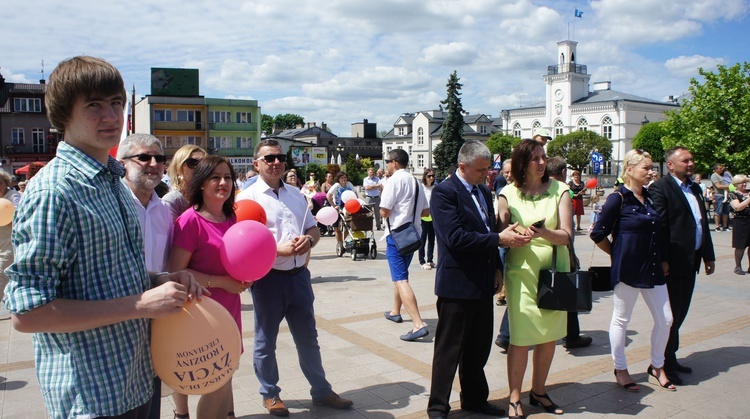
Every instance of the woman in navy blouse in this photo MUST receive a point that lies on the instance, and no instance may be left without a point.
(629, 216)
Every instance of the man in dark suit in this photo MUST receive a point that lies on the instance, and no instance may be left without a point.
(467, 278)
(687, 240)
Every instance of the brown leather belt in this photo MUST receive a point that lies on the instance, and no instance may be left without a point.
(290, 271)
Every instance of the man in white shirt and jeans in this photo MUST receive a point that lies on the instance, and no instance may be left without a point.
(373, 189)
(397, 206)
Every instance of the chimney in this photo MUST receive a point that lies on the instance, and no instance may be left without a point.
(42, 81)
(324, 126)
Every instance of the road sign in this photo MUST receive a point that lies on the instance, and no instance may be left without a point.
(498, 165)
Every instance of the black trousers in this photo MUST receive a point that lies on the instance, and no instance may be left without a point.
(463, 340)
(680, 290)
(140, 412)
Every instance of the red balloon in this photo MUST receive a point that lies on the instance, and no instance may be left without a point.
(113, 151)
(247, 209)
(352, 206)
(591, 183)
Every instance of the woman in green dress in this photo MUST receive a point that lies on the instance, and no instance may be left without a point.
(534, 197)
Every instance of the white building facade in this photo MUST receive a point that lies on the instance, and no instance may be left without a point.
(570, 106)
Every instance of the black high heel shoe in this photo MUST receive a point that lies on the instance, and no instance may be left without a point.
(552, 408)
(667, 386)
(515, 407)
(631, 386)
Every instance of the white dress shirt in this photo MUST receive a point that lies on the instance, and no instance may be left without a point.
(288, 216)
(156, 227)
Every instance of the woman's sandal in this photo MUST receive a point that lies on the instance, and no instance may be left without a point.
(181, 416)
(552, 408)
(631, 386)
(667, 386)
(515, 407)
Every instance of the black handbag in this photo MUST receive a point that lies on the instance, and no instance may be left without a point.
(406, 237)
(601, 278)
(564, 291)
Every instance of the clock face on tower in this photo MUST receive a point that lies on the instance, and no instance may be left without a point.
(559, 94)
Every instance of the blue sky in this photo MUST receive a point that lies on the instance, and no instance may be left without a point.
(341, 61)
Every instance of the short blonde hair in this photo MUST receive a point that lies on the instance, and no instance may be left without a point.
(739, 179)
(633, 158)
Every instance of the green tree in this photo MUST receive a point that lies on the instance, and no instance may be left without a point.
(502, 144)
(452, 136)
(355, 170)
(715, 124)
(280, 121)
(576, 148)
(266, 123)
(649, 139)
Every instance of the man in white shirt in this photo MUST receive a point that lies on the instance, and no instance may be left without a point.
(143, 158)
(373, 189)
(397, 206)
(286, 291)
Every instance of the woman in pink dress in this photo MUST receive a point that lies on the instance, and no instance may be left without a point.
(198, 235)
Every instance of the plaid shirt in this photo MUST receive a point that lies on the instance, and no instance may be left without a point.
(76, 235)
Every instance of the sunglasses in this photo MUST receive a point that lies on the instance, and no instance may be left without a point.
(270, 158)
(388, 161)
(145, 157)
(430, 175)
(191, 162)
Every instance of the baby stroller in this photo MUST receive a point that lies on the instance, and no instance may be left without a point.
(357, 233)
(319, 201)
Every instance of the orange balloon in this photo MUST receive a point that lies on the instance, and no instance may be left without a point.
(591, 183)
(352, 206)
(6, 212)
(197, 350)
(247, 209)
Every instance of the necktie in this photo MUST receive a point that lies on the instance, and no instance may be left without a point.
(482, 204)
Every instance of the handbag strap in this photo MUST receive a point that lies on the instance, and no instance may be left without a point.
(416, 200)
(571, 251)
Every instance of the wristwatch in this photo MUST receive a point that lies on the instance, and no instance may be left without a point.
(312, 242)
(156, 277)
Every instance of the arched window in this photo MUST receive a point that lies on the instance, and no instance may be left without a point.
(607, 127)
(558, 128)
(535, 125)
(420, 136)
(583, 124)
(517, 130)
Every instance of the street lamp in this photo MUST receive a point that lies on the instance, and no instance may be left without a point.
(339, 150)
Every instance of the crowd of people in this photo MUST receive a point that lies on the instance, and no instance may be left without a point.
(86, 283)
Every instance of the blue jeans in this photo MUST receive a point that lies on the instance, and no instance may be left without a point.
(275, 297)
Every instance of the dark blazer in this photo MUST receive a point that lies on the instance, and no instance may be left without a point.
(678, 227)
(468, 254)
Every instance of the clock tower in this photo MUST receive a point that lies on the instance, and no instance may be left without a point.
(566, 83)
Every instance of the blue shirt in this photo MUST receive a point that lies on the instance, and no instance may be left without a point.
(635, 233)
(77, 236)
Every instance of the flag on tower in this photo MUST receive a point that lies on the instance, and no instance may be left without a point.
(579, 13)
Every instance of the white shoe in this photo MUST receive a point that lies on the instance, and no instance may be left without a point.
(427, 267)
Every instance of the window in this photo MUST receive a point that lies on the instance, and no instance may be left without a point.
(244, 117)
(244, 142)
(517, 130)
(162, 115)
(607, 127)
(401, 131)
(583, 124)
(167, 141)
(37, 140)
(219, 116)
(388, 149)
(21, 104)
(558, 128)
(483, 129)
(18, 136)
(420, 160)
(185, 116)
(420, 136)
(189, 140)
(536, 125)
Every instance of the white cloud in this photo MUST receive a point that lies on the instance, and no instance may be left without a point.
(688, 66)
(455, 53)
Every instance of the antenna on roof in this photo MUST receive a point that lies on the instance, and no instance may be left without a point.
(42, 70)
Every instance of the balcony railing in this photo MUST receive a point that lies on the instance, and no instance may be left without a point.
(233, 126)
(29, 149)
(566, 68)
(179, 126)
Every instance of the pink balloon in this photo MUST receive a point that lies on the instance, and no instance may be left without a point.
(327, 216)
(248, 251)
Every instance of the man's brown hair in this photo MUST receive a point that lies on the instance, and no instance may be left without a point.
(77, 77)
